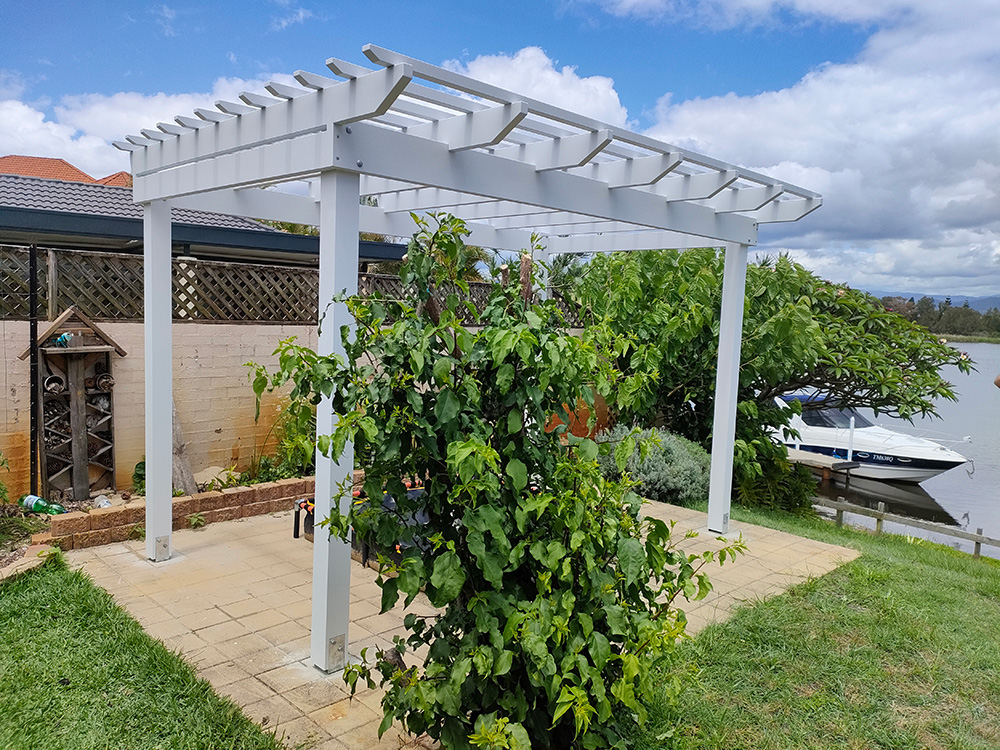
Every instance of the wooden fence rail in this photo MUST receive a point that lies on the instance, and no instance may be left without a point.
(109, 286)
(881, 515)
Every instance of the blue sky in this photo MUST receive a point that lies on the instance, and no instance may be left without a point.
(69, 48)
(890, 108)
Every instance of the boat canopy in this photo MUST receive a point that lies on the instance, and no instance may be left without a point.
(816, 415)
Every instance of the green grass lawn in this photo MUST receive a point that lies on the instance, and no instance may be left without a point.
(77, 672)
(898, 649)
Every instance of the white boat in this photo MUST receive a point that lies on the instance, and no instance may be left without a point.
(881, 453)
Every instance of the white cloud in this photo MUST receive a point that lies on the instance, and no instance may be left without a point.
(165, 17)
(903, 144)
(25, 130)
(293, 14)
(84, 125)
(532, 73)
(11, 84)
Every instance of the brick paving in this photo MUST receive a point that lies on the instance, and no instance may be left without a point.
(235, 601)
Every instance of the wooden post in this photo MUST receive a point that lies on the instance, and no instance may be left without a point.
(878, 521)
(53, 294)
(840, 516)
(979, 545)
(78, 426)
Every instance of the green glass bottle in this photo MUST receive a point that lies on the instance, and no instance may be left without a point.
(37, 504)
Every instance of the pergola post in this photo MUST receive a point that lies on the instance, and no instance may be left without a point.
(338, 272)
(157, 313)
(727, 380)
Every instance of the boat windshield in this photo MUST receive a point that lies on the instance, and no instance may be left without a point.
(836, 418)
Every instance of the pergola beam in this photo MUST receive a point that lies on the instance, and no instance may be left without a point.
(559, 153)
(474, 130)
(382, 153)
(459, 82)
(286, 120)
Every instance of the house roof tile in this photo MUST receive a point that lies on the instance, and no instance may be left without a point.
(42, 166)
(17, 191)
(118, 179)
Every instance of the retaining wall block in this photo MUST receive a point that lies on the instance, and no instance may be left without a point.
(136, 511)
(237, 496)
(184, 506)
(223, 514)
(44, 538)
(106, 518)
(256, 509)
(266, 491)
(65, 543)
(294, 488)
(214, 500)
(282, 504)
(309, 486)
(123, 533)
(74, 522)
(91, 538)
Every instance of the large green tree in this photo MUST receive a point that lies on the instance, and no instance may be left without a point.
(656, 316)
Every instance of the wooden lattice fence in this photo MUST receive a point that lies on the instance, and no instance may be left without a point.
(14, 282)
(109, 286)
(102, 285)
(241, 292)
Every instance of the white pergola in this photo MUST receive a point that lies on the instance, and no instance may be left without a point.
(509, 165)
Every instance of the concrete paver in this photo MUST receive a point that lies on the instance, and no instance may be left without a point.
(235, 601)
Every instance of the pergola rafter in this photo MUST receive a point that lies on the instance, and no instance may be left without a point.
(421, 138)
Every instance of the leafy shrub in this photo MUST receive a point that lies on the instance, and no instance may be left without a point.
(139, 478)
(295, 455)
(674, 470)
(555, 595)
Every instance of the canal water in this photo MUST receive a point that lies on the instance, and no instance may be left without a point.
(967, 498)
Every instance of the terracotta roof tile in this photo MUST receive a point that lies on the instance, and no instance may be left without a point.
(118, 179)
(43, 166)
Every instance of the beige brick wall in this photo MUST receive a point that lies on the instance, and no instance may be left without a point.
(214, 399)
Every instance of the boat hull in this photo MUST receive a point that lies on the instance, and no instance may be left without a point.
(886, 466)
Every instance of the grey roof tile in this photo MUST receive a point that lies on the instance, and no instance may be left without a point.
(94, 199)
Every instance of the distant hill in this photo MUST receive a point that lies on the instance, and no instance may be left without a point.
(982, 304)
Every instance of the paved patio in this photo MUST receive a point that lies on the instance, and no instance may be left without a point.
(235, 601)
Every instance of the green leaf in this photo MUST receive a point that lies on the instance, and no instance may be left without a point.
(518, 473)
(600, 649)
(503, 663)
(631, 559)
(447, 406)
(384, 725)
(505, 376)
(588, 450)
(442, 371)
(624, 451)
(447, 579)
(519, 739)
(514, 422)
(390, 594)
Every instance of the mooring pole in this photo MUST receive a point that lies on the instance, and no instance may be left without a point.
(33, 397)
